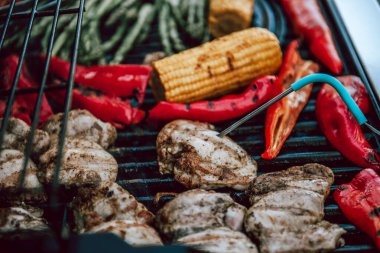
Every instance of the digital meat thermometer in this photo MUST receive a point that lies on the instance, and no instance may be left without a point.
(314, 78)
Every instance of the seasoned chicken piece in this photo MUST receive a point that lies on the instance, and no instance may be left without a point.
(287, 211)
(132, 233)
(312, 177)
(107, 202)
(320, 237)
(83, 125)
(84, 163)
(11, 165)
(307, 201)
(17, 135)
(15, 221)
(219, 240)
(197, 210)
(197, 157)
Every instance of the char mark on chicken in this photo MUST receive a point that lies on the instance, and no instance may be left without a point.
(197, 210)
(198, 158)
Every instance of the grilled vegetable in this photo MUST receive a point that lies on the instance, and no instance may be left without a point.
(282, 116)
(310, 23)
(108, 92)
(339, 125)
(228, 16)
(218, 67)
(23, 107)
(225, 108)
(359, 201)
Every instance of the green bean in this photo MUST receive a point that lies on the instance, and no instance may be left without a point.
(164, 30)
(129, 6)
(174, 36)
(145, 16)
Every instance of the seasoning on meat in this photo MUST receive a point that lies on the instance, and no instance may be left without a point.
(287, 211)
(84, 163)
(198, 210)
(11, 165)
(109, 201)
(197, 157)
(83, 125)
(135, 234)
(218, 240)
(17, 134)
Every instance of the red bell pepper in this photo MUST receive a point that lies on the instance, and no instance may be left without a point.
(360, 202)
(105, 91)
(225, 108)
(339, 125)
(310, 23)
(282, 116)
(23, 106)
(112, 80)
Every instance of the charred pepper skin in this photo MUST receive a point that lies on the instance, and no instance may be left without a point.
(112, 80)
(339, 125)
(106, 91)
(282, 116)
(309, 22)
(23, 106)
(225, 108)
(359, 200)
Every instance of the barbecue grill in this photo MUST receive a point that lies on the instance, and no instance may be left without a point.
(135, 148)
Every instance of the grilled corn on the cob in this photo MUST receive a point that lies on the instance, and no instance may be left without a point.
(228, 16)
(217, 67)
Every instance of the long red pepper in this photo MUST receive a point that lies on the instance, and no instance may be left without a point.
(23, 107)
(339, 125)
(112, 80)
(360, 202)
(282, 116)
(106, 91)
(310, 23)
(225, 108)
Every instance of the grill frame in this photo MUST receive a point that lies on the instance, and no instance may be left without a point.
(135, 148)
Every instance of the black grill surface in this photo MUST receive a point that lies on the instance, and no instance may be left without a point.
(135, 149)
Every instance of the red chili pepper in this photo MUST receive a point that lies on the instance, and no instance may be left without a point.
(310, 23)
(225, 108)
(339, 125)
(282, 116)
(360, 202)
(105, 91)
(23, 106)
(113, 80)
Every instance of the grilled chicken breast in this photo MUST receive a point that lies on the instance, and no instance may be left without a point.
(107, 202)
(198, 158)
(132, 233)
(83, 125)
(84, 163)
(11, 165)
(197, 210)
(19, 220)
(17, 134)
(219, 240)
(287, 211)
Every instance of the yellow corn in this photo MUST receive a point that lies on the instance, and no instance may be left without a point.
(217, 67)
(227, 16)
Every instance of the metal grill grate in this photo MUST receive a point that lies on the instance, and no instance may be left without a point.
(34, 12)
(135, 148)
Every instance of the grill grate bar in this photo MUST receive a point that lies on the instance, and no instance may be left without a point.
(39, 14)
(6, 24)
(11, 98)
(53, 196)
(37, 107)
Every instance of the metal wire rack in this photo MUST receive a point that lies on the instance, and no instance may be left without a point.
(54, 9)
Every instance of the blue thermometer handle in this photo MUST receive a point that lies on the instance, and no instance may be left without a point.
(338, 86)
